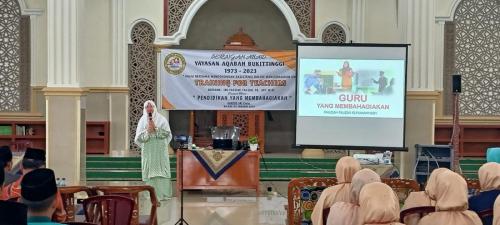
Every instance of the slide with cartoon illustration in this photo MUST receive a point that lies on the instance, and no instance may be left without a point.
(345, 92)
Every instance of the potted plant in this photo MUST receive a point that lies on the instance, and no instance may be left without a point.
(253, 141)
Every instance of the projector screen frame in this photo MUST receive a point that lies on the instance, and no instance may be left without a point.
(348, 147)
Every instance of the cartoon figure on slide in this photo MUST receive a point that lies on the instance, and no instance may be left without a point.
(313, 83)
(384, 86)
(346, 74)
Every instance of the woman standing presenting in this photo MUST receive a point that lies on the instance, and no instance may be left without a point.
(153, 135)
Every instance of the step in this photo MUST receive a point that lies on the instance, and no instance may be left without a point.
(265, 175)
(274, 165)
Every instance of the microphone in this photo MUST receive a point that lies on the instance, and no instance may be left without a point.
(150, 115)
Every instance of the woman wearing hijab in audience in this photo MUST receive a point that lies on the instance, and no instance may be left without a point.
(489, 179)
(346, 213)
(345, 169)
(496, 212)
(451, 202)
(378, 204)
(422, 198)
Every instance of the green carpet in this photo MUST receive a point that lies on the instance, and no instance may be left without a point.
(104, 168)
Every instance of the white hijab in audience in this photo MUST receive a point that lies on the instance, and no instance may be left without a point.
(346, 213)
(450, 193)
(496, 212)
(345, 169)
(421, 198)
(378, 204)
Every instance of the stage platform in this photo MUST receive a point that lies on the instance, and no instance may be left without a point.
(274, 167)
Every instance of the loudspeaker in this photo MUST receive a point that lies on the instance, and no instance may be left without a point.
(457, 84)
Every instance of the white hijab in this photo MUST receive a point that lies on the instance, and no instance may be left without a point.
(158, 119)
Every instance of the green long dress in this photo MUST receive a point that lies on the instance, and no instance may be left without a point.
(155, 162)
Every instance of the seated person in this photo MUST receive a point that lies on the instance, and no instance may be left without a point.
(451, 202)
(489, 179)
(13, 213)
(38, 192)
(34, 159)
(496, 212)
(422, 198)
(2, 178)
(493, 155)
(347, 213)
(378, 204)
(345, 169)
(6, 161)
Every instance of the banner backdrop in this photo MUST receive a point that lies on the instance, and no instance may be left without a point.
(227, 80)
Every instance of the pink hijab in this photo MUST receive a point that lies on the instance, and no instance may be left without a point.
(450, 193)
(345, 169)
(378, 204)
(421, 198)
(346, 213)
(489, 176)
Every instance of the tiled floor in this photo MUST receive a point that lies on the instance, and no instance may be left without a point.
(228, 207)
(225, 211)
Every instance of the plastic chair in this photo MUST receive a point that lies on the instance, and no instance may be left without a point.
(108, 209)
(133, 192)
(68, 197)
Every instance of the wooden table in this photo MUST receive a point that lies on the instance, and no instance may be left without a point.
(244, 174)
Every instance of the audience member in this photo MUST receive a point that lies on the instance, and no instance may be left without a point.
(496, 212)
(345, 169)
(34, 159)
(13, 213)
(38, 192)
(378, 204)
(347, 213)
(450, 193)
(493, 155)
(6, 160)
(2, 178)
(489, 179)
(421, 198)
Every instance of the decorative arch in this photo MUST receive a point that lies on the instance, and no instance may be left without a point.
(451, 12)
(345, 29)
(195, 6)
(141, 73)
(137, 21)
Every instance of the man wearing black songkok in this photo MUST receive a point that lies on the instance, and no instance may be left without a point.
(11, 212)
(39, 193)
(34, 159)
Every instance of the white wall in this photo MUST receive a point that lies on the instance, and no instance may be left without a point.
(332, 10)
(94, 51)
(443, 7)
(94, 44)
(151, 10)
(381, 21)
(38, 42)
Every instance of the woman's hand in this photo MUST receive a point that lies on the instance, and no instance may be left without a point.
(151, 126)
